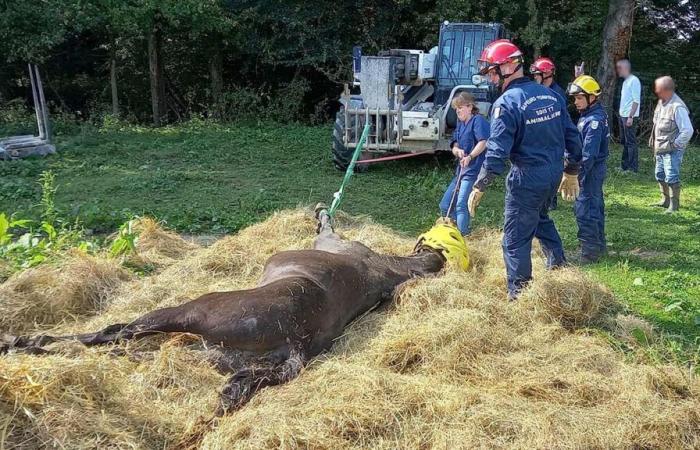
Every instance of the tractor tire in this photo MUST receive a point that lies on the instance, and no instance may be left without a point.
(342, 155)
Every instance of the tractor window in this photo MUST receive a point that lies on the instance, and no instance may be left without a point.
(461, 48)
(446, 71)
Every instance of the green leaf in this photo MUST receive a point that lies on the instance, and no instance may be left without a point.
(37, 259)
(20, 223)
(676, 306)
(50, 230)
(5, 236)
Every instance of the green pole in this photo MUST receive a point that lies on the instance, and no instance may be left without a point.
(338, 196)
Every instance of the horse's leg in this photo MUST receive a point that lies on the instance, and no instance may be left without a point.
(329, 241)
(166, 320)
(324, 220)
(242, 385)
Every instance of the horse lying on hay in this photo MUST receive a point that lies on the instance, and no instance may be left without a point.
(303, 301)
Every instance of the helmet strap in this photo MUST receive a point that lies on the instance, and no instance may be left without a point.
(502, 78)
(589, 102)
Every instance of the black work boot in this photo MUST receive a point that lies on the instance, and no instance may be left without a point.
(589, 258)
(675, 203)
(665, 199)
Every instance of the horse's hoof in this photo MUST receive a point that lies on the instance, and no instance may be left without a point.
(320, 206)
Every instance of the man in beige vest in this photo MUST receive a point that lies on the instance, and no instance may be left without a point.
(669, 137)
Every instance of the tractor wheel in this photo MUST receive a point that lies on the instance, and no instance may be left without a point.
(342, 155)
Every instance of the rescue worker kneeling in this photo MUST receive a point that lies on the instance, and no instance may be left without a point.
(530, 126)
(589, 207)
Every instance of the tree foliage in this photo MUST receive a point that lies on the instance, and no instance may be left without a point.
(287, 60)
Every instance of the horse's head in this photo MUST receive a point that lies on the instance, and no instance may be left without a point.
(445, 239)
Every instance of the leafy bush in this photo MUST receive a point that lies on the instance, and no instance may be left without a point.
(125, 242)
(16, 119)
(282, 105)
(26, 243)
(36, 243)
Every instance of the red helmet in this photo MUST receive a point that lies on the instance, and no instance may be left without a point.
(542, 65)
(496, 53)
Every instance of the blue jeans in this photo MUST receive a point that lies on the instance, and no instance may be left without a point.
(459, 211)
(528, 194)
(628, 139)
(668, 167)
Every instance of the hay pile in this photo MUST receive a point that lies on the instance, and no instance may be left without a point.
(155, 246)
(47, 295)
(450, 364)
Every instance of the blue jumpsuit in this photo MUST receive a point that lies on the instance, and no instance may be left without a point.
(530, 126)
(558, 89)
(589, 208)
(466, 135)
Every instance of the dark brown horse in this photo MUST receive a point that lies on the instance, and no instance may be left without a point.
(302, 303)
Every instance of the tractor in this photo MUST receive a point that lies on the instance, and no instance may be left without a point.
(405, 95)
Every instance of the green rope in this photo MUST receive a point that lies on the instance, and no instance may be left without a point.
(338, 196)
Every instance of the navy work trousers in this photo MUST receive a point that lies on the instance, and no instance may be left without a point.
(590, 211)
(528, 194)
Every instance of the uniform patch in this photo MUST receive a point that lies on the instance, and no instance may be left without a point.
(496, 112)
(594, 124)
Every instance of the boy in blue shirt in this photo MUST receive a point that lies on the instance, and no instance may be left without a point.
(468, 145)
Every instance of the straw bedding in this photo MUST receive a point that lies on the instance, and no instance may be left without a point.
(448, 364)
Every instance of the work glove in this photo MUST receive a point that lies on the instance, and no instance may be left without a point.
(569, 187)
(474, 200)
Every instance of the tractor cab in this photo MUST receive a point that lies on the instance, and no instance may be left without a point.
(458, 52)
(405, 95)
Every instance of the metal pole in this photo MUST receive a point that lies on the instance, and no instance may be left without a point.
(44, 112)
(399, 113)
(39, 115)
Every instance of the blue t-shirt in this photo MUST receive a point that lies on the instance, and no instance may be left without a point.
(466, 136)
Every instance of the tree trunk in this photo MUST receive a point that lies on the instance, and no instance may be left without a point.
(616, 38)
(155, 62)
(216, 64)
(113, 85)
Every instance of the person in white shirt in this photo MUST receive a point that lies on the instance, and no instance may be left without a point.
(630, 100)
(670, 135)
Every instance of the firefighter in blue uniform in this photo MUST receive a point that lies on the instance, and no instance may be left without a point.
(542, 71)
(529, 126)
(589, 208)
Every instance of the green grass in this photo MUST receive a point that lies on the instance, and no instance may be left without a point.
(214, 179)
